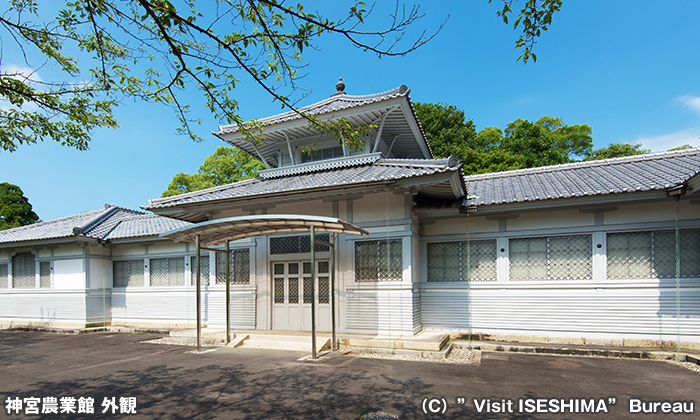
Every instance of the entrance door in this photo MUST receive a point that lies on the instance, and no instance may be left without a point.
(291, 296)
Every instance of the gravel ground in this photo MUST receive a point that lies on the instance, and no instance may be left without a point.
(688, 365)
(183, 341)
(463, 356)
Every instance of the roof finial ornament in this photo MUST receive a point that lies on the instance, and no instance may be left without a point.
(340, 86)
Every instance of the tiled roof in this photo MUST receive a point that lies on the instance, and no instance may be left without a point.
(333, 104)
(652, 172)
(109, 223)
(381, 170)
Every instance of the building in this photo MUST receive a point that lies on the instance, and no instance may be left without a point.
(577, 250)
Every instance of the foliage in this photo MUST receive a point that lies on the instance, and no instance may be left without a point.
(684, 147)
(15, 209)
(535, 17)
(523, 144)
(548, 141)
(224, 166)
(108, 51)
(617, 150)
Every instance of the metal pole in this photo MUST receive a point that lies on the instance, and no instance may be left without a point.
(199, 303)
(333, 342)
(228, 293)
(313, 294)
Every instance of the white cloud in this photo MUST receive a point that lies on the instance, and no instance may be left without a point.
(22, 73)
(669, 141)
(690, 101)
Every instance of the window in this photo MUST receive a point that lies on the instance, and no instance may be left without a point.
(167, 272)
(3, 276)
(298, 244)
(637, 255)
(127, 273)
(23, 271)
(323, 154)
(45, 274)
(551, 258)
(373, 262)
(203, 270)
(455, 261)
(239, 262)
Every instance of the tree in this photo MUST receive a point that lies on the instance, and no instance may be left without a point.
(224, 166)
(445, 127)
(548, 141)
(617, 150)
(535, 17)
(15, 209)
(153, 50)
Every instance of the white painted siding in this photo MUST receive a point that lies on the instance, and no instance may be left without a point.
(242, 309)
(156, 306)
(638, 309)
(43, 307)
(386, 312)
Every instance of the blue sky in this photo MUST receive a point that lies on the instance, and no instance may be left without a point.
(628, 68)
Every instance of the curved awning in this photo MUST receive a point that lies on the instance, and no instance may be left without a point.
(220, 231)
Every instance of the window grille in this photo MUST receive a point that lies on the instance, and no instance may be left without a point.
(308, 295)
(3, 276)
(239, 266)
(45, 274)
(457, 261)
(203, 270)
(279, 290)
(298, 244)
(167, 272)
(127, 273)
(374, 263)
(551, 258)
(23, 271)
(293, 290)
(323, 289)
(636, 255)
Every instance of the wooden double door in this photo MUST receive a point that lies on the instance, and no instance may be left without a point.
(292, 295)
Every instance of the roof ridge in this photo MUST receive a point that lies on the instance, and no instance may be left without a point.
(198, 192)
(45, 222)
(585, 164)
(402, 90)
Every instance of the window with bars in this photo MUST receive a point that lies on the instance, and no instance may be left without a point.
(298, 244)
(203, 270)
(127, 273)
(4, 272)
(24, 271)
(635, 255)
(374, 261)
(167, 272)
(45, 274)
(462, 261)
(239, 266)
(551, 258)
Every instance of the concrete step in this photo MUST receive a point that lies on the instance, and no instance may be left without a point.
(285, 342)
(426, 341)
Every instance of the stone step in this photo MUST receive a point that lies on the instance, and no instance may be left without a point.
(286, 343)
(431, 342)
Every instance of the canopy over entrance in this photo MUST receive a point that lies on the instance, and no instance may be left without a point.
(221, 231)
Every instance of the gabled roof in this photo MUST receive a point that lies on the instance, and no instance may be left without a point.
(651, 172)
(112, 222)
(378, 173)
(392, 110)
(335, 103)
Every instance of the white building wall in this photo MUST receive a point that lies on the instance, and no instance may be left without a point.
(613, 309)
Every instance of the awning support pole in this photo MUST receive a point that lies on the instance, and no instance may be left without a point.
(199, 302)
(313, 292)
(333, 341)
(228, 293)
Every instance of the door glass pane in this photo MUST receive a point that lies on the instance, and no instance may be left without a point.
(293, 290)
(279, 290)
(308, 292)
(323, 289)
(293, 268)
